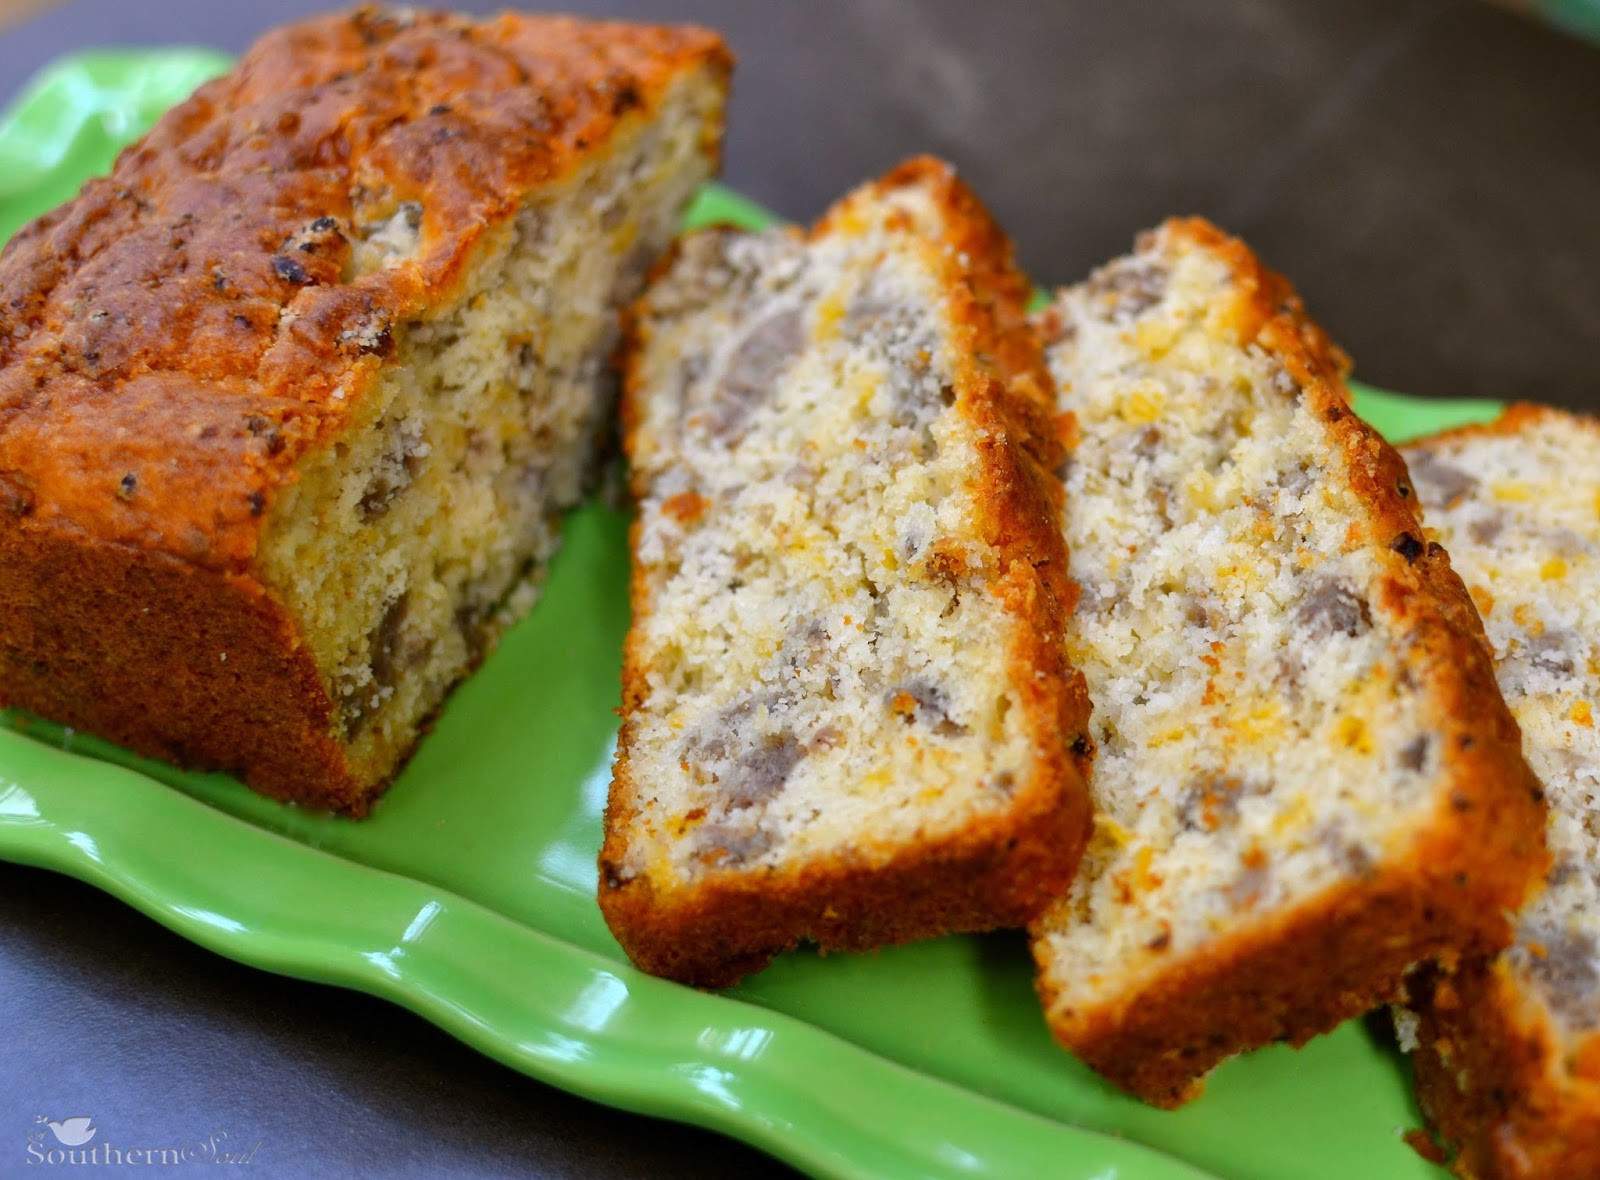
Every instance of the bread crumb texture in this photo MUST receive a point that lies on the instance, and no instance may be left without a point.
(1266, 728)
(832, 659)
(409, 544)
(1520, 513)
(312, 375)
(1518, 505)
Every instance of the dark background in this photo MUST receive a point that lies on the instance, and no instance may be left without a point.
(1428, 173)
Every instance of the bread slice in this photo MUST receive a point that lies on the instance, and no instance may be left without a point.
(1508, 1051)
(291, 404)
(1306, 780)
(846, 716)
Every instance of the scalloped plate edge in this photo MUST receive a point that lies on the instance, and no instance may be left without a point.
(588, 1026)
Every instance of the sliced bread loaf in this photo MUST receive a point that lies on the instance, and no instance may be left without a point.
(1508, 1050)
(1306, 780)
(846, 715)
(292, 403)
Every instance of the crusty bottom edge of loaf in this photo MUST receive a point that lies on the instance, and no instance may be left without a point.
(997, 876)
(74, 589)
(1328, 960)
(1499, 1101)
(306, 768)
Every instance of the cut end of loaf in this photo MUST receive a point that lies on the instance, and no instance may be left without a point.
(843, 693)
(408, 545)
(312, 375)
(1305, 780)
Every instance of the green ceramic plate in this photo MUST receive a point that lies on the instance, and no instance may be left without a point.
(468, 896)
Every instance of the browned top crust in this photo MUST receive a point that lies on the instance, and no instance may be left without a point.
(1511, 421)
(1021, 501)
(981, 261)
(173, 339)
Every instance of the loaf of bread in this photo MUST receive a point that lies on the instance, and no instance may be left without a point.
(1306, 780)
(846, 717)
(291, 403)
(1508, 1051)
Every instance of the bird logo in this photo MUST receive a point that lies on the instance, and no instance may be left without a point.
(72, 1132)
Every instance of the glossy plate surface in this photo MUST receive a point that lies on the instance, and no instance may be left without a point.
(468, 895)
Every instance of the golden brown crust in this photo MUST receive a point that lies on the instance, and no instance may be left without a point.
(1512, 420)
(75, 615)
(1006, 392)
(1493, 1080)
(996, 872)
(180, 334)
(164, 288)
(1448, 892)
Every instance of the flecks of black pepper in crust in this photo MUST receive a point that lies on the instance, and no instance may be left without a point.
(310, 239)
(127, 486)
(289, 270)
(263, 429)
(1408, 547)
(625, 99)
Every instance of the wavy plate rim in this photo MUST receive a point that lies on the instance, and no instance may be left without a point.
(408, 964)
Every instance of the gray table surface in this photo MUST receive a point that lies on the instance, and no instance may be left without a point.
(1427, 172)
